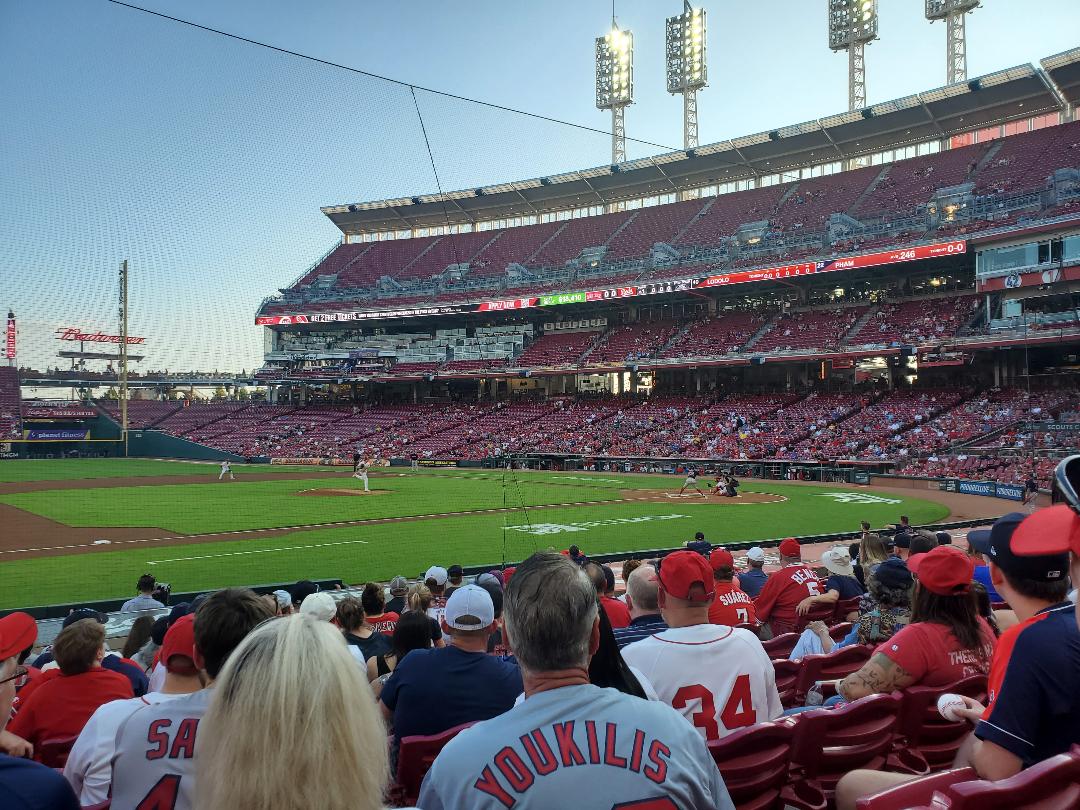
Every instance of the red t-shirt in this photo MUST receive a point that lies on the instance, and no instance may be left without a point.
(731, 606)
(930, 653)
(61, 705)
(618, 613)
(782, 593)
(384, 622)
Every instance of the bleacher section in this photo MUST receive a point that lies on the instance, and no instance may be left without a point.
(141, 413)
(916, 322)
(715, 336)
(557, 349)
(810, 330)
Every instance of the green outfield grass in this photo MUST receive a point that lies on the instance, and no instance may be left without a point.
(380, 551)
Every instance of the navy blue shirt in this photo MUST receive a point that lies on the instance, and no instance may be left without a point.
(751, 582)
(27, 785)
(847, 587)
(432, 690)
(1036, 712)
(641, 627)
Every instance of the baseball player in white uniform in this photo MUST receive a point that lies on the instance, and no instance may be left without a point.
(719, 678)
(226, 469)
(361, 472)
(691, 481)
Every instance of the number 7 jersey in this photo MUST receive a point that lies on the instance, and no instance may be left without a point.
(719, 678)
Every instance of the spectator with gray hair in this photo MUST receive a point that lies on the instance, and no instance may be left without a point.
(569, 738)
(641, 599)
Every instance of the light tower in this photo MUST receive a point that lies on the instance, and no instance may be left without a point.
(954, 13)
(853, 24)
(686, 70)
(615, 83)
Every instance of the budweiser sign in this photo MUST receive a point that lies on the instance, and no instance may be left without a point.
(74, 333)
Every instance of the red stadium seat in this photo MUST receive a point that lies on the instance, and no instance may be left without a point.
(917, 794)
(837, 664)
(781, 646)
(54, 752)
(922, 728)
(831, 742)
(844, 607)
(839, 631)
(754, 764)
(1053, 784)
(415, 755)
(787, 676)
(821, 613)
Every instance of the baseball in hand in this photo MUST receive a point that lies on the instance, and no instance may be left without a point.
(948, 704)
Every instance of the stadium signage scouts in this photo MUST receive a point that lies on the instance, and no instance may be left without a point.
(74, 333)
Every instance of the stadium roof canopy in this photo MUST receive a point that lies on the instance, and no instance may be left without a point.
(1019, 92)
(1064, 69)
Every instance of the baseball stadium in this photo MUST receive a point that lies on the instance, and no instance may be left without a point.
(456, 335)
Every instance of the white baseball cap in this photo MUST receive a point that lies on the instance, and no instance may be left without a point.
(757, 554)
(319, 605)
(437, 573)
(469, 608)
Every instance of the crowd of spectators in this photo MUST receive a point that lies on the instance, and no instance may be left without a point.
(285, 700)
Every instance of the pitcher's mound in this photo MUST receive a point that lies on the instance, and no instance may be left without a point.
(335, 492)
(693, 498)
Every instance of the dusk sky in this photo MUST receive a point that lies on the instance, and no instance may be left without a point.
(204, 160)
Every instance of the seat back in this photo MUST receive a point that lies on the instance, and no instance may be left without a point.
(916, 794)
(926, 731)
(839, 631)
(415, 755)
(787, 678)
(1049, 785)
(830, 742)
(844, 607)
(837, 664)
(818, 613)
(754, 763)
(54, 752)
(781, 646)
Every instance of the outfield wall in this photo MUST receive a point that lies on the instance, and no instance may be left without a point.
(156, 444)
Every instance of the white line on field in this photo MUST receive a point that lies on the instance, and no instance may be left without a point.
(255, 551)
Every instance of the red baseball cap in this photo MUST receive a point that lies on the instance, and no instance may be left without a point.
(946, 570)
(180, 643)
(791, 548)
(507, 573)
(17, 632)
(680, 570)
(721, 558)
(1053, 530)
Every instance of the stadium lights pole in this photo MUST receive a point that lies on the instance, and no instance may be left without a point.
(954, 12)
(686, 68)
(615, 83)
(853, 24)
(123, 313)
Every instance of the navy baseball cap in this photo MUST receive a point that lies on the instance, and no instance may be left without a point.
(78, 614)
(893, 573)
(902, 540)
(996, 544)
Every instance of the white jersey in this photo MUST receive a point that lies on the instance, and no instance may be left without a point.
(719, 678)
(155, 754)
(89, 765)
(225, 466)
(577, 746)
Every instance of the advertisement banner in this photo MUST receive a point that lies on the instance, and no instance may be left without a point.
(650, 288)
(59, 435)
(11, 337)
(312, 462)
(75, 333)
(59, 413)
(1010, 491)
(975, 487)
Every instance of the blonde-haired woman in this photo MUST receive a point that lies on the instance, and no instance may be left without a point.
(287, 711)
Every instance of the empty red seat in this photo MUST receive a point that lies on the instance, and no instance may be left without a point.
(754, 764)
(781, 646)
(922, 728)
(831, 742)
(787, 677)
(415, 755)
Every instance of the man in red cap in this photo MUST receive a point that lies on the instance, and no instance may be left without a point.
(24, 785)
(89, 765)
(785, 589)
(719, 678)
(731, 606)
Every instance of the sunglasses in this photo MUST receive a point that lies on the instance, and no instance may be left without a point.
(1065, 488)
(20, 673)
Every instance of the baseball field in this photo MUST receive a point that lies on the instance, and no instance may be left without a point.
(74, 530)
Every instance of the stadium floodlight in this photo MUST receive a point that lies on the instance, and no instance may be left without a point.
(686, 69)
(853, 24)
(954, 13)
(615, 83)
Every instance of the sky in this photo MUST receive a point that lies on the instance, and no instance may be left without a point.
(204, 160)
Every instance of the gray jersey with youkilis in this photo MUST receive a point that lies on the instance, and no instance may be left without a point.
(154, 764)
(582, 747)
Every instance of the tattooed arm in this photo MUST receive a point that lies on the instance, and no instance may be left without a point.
(879, 675)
